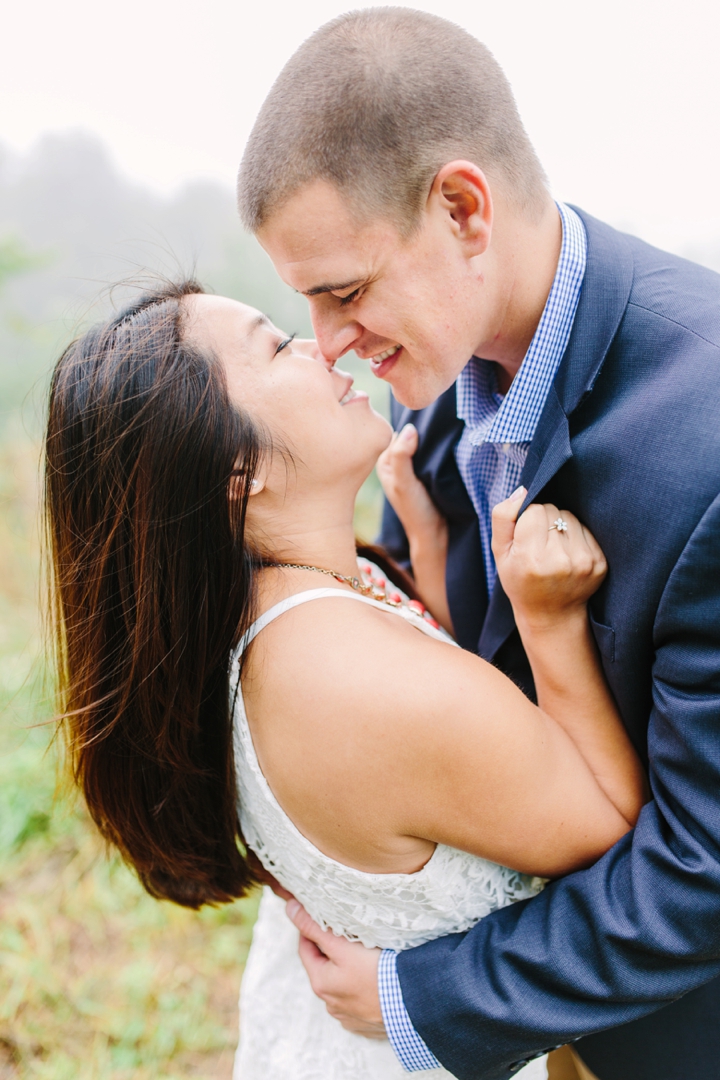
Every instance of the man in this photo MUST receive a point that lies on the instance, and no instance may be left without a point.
(390, 180)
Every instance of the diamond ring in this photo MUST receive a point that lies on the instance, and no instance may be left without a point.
(560, 524)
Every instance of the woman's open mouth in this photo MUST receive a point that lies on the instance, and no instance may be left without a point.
(381, 364)
(353, 395)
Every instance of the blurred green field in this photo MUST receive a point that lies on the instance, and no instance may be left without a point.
(97, 980)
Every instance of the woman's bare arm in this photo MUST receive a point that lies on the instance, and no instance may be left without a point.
(549, 591)
(379, 741)
(549, 576)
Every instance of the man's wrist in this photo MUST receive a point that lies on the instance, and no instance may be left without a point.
(411, 1051)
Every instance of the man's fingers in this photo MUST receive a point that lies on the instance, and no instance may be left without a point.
(306, 925)
(314, 961)
(266, 878)
(329, 945)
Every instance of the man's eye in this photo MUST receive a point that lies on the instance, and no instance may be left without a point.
(350, 297)
(285, 343)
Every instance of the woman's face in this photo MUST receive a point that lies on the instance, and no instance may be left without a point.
(309, 408)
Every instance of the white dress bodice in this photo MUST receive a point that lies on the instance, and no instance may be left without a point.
(285, 1032)
(394, 911)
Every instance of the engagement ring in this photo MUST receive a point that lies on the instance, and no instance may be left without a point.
(560, 524)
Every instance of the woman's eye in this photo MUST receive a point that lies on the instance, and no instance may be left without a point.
(285, 343)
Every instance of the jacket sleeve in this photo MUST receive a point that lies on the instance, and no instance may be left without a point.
(640, 928)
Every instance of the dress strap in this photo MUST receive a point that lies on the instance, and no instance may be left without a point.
(294, 601)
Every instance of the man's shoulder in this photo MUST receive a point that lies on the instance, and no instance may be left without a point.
(675, 289)
(664, 286)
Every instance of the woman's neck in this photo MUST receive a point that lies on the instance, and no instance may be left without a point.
(313, 531)
(330, 547)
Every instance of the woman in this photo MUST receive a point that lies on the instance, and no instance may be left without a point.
(201, 475)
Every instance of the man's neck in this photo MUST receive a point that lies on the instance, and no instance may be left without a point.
(527, 253)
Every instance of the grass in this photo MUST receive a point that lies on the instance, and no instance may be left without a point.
(97, 980)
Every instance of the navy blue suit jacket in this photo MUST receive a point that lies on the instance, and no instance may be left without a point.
(629, 440)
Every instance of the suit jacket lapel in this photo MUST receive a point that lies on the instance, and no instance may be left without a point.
(603, 300)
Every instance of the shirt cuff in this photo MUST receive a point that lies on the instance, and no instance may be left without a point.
(413, 1054)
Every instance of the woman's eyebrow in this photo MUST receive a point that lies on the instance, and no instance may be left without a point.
(257, 322)
(328, 287)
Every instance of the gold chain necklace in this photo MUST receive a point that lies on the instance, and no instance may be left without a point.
(375, 588)
(376, 591)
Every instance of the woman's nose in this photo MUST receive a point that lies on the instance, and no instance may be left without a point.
(311, 348)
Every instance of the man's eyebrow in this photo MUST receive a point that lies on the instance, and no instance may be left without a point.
(330, 287)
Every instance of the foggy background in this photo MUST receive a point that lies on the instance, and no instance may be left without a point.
(121, 129)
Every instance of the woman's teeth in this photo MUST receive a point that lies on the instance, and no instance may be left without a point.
(349, 396)
(384, 355)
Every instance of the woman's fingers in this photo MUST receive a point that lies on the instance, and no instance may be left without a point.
(549, 563)
(579, 545)
(596, 551)
(406, 494)
(504, 520)
(394, 466)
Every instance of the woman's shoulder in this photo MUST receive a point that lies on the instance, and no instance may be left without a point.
(336, 691)
(329, 717)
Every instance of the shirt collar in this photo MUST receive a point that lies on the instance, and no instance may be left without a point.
(514, 418)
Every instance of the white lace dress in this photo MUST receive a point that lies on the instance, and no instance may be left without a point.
(285, 1031)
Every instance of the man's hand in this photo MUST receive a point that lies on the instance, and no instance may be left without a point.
(343, 973)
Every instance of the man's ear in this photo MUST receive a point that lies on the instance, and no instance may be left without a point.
(461, 193)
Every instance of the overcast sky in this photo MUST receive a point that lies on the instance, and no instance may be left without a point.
(621, 97)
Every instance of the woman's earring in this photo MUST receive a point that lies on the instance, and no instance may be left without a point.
(253, 483)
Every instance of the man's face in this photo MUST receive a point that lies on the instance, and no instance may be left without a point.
(409, 307)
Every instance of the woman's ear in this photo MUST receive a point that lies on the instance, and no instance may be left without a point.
(461, 193)
(238, 484)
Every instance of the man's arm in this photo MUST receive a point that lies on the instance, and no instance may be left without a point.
(640, 928)
(612, 943)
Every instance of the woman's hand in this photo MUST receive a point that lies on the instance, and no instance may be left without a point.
(546, 572)
(424, 525)
(420, 518)
(549, 574)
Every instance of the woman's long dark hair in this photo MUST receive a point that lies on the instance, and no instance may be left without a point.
(152, 586)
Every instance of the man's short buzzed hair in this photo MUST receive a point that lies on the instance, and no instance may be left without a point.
(376, 102)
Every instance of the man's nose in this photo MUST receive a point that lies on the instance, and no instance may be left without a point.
(335, 331)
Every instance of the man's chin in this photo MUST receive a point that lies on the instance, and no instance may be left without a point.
(414, 394)
(412, 384)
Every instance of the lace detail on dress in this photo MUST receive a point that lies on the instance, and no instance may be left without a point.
(286, 1032)
(395, 911)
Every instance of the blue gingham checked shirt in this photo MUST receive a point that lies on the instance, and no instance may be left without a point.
(490, 458)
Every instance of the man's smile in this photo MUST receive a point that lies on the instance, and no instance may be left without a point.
(382, 363)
